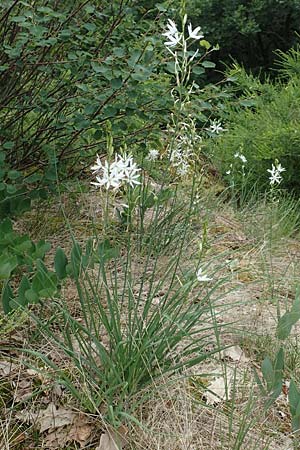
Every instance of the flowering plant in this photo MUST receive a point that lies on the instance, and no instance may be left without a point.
(122, 172)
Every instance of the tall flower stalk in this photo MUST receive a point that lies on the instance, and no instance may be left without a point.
(184, 136)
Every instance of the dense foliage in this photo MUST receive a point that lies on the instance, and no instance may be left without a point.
(263, 125)
(67, 72)
(248, 30)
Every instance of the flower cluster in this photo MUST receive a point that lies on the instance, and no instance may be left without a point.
(123, 170)
(184, 140)
(175, 37)
(276, 174)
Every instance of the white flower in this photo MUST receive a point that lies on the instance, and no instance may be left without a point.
(242, 157)
(109, 178)
(183, 168)
(132, 177)
(201, 276)
(193, 34)
(172, 28)
(215, 127)
(98, 165)
(172, 34)
(152, 155)
(122, 170)
(280, 168)
(275, 174)
(275, 178)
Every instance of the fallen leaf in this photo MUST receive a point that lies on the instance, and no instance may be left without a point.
(23, 390)
(113, 440)
(80, 430)
(6, 367)
(235, 353)
(55, 439)
(219, 389)
(27, 416)
(53, 417)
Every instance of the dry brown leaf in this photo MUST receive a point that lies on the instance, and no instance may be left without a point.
(23, 390)
(219, 389)
(55, 439)
(235, 353)
(53, 417)
(27, 416)
(6, 367)
(113, 440)
(80, 430)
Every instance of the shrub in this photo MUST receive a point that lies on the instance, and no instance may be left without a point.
(263, 125)
(67, 72)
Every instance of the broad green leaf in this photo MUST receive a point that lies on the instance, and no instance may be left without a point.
(294, 397)
(32, 296)
(208, 64)
(106, 251)
(23, 287)
(7, 265)
(268, 373)
(205, 44)
(7, 296)
(60, 263)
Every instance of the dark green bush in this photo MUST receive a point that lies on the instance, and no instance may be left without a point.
(263, 123)
(248, 30)
(67, 71)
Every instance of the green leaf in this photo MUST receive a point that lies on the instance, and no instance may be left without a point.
(60, 263)
(41, 248)
(6, 226)
(268, 373)
(289, 319)
(279, 366)
(11, 189)
(7, 296)
(13, 174)
(76, 254)
(205, 44)
(44, 282)
(294, 397)
(23, 287)
(32, 296)
(7, 265)
(198, 70)
(208, 64)
(106, 251)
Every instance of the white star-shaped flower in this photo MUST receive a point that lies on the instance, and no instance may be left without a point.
(193, 34)
(98, 165)
(202, 277)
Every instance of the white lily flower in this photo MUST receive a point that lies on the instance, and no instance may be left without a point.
(193, 34)
(275, 174)
(202, 277)
(152, 155)
(172, 34)
(172, 28)
(98, 165)
(280, 168)
(215, 127)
